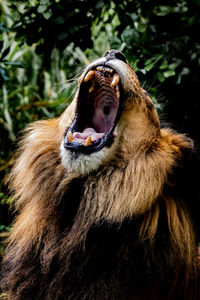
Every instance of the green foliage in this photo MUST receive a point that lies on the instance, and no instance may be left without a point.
(154, 37)
(52, 23)
(44, 46)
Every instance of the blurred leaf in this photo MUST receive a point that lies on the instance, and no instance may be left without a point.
(164, 65)
(174, 65)
(48, 14)
(5, 53)
(3, 74)
(4, 228)
(160, 76)
(14, 63)
(41, 8)
(3, 28)
(134, 16)
(148, 61)
(7, 115)
(166, 10)
(169, 73)
(115, 21)
(128, 35)
(184, 71)
(1, 45)
(149, 67)
(115, 42)
(99, 4)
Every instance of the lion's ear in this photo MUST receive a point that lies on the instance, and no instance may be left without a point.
(187, 148)
(187, 177)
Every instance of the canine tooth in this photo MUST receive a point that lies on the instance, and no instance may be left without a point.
(117, 91)
(115, 80)
(117, 88)
(118, 94)
(70, 137)
(89, 76)
(91, 89)
(88, 141)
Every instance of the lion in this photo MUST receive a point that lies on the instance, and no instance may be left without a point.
(104, 208)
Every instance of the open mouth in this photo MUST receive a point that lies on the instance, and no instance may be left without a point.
(98, 110)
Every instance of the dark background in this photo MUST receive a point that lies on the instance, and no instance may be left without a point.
(44, 46)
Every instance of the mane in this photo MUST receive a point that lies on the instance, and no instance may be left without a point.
(41, 185)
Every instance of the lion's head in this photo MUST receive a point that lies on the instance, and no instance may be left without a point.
(110, 111)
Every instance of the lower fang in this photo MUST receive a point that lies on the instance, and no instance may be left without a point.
(91, 89)
(88, 141)
(89, 76)
(70, 137)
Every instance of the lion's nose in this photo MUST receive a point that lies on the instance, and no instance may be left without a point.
(115, 54)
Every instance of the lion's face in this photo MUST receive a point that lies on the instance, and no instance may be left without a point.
(109, 112)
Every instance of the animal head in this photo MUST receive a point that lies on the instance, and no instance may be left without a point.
(110, 113)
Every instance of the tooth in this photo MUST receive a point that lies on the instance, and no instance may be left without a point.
(70, 137)
(88, 141)
(117, 91)
(118, 94)
(99, 68)
(115, 80)
(108, 70)
(91, 89)
(89, 76)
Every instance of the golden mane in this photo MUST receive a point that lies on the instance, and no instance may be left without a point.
(57, 208)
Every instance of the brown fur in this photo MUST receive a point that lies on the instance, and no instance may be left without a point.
(135, 181)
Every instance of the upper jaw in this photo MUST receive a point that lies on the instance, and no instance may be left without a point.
(120, 68)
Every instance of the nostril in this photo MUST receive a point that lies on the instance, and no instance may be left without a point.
(120, 56)
(115, 54)
(107, 53)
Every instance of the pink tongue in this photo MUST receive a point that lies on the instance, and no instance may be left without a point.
(82, 136)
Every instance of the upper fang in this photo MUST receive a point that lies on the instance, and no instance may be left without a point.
(89, 76)
(115, 80)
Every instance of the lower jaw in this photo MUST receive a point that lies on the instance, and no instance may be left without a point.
(82, 148)
(77, 162)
